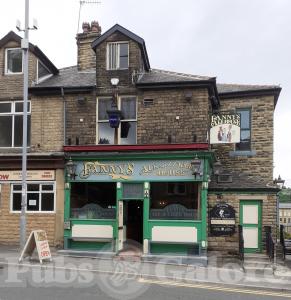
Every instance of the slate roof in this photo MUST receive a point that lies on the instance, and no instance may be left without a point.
(232, 88)
(241, 181)
(70, 77)
(163, 76)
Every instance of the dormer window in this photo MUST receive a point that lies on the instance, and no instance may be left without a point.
(117, 56)
(13, 61)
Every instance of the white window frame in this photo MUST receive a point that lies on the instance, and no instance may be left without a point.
(41, 79)
(13, 113)
(36, 192)
(106, 121)
(117, 55)
(6, 62)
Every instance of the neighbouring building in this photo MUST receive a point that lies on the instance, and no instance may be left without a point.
(139, 160)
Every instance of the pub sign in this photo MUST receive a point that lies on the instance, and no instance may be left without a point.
(222, 220)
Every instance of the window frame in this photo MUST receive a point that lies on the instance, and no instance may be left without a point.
(119, 100)
(238, 110)
(13, 113)
(117, 43)
(6, 61)
(34, 192)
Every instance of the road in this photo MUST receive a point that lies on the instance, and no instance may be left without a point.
(47, 284)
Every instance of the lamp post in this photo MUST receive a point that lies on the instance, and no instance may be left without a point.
(280, 182)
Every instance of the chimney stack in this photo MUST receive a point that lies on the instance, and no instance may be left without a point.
(86, 55)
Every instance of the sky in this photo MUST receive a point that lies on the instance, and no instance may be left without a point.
(237, 41)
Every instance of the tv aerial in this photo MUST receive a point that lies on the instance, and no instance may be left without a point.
(82, 2)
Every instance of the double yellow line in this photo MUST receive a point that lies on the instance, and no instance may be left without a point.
(216, 288)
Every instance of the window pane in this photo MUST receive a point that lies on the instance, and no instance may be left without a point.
(47, 202)
(245, 118)
(103, 106)
(33, 187)
(5, 131)
(47, 187)
(128, 108)
(32, 201)
(16, 201)
(123, 49)
(105, 133)
(123, 62)
(19, 106)
(18, 131)
(17, 187)
(245, 137)
(14, 61)
(5, 107)
(132, 190)
(128, 133)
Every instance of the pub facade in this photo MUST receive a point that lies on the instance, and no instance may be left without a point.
(140, 165)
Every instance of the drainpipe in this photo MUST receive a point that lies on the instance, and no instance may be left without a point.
(64, 113)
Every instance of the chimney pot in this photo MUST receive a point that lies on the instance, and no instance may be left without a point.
(86, 27)
(95, 27)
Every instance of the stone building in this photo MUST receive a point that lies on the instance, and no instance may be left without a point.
(139, 162)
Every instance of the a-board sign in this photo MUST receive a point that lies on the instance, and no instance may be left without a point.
(37, 240)
(222, 220)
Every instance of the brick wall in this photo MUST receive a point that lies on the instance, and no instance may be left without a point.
(261, 164)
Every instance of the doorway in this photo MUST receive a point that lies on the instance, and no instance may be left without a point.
(133, 220)
(251, 221)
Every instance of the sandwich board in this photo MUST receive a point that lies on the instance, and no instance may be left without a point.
(36, 240)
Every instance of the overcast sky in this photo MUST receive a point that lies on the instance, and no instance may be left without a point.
(238, 41)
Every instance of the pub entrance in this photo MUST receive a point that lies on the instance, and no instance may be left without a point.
(133, 222)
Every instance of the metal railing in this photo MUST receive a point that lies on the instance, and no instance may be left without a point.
(241, 243)
(270, 245)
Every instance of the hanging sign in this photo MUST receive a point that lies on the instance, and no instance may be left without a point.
(36, 240)
(222, 220)
(225, 129)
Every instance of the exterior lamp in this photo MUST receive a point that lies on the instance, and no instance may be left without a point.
(114, 114)
(71, 169)
(196, 163)
(280, 182)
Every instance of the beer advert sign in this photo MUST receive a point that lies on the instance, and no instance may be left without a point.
(225, 129)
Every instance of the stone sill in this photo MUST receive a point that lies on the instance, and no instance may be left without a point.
(249, 153)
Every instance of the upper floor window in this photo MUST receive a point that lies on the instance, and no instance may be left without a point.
(126, 133)
(13, 61)
(11, 120)
(245, 130)
(117, 56)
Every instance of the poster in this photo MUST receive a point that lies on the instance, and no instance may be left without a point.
(225, 129)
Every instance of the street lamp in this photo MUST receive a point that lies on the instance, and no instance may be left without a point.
(71, 169)
(196, 163)
(280, 182)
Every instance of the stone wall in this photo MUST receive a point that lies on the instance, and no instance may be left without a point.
(47, 128)
(11, 86)
(172, 115)
(269, 218)
(262, 131)
(103, 76)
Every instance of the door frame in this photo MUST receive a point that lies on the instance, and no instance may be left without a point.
(259, 225)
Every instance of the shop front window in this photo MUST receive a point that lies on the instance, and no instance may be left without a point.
(174, 201)
(93, 200)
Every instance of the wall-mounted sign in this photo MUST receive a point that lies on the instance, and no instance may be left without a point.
(225, 129)
(222, 220)
(45, 175)
(138, 170)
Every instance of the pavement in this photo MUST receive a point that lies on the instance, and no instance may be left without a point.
(226, 272)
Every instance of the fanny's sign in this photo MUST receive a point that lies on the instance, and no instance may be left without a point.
(225, 129)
